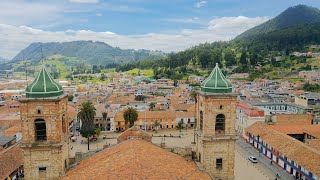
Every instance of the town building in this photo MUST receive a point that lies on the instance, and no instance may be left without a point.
(215, 133)
(246, 116)
(292, 145)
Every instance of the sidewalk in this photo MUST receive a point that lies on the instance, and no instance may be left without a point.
(263, 161)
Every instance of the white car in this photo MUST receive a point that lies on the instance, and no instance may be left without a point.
(252, 159)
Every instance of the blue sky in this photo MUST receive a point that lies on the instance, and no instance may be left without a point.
(167, 25)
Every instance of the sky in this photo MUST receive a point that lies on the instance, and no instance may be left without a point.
(166, 25)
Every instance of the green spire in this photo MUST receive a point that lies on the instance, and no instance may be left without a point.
(216, 82)
(43, 86)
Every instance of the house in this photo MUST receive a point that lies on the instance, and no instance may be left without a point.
(11, 160)
(293, 146)
(246, 116)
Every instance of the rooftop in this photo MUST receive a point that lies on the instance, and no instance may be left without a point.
(43, 86)
(216, 82)
(135, 159)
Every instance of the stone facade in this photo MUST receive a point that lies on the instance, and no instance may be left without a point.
(49, 158)
(215, 149)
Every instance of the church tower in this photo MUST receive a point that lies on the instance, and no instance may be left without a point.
(215, 134)
(45, 137)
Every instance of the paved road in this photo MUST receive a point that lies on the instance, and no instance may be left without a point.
(263, 162)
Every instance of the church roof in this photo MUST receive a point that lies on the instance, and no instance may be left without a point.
(216, 82)
(135, 159)
(43, 86)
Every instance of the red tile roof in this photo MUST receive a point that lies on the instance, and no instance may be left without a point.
(135, 159)
(10, 160)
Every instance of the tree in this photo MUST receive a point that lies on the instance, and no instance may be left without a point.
(180, 126)
(86, 115)
(253, 59)
(152, 105)
(97, 131)
(130, 115)
(70, 97)
(243, 58)
(104, 116)
(156, 125)
(230, 57)
(102, 78)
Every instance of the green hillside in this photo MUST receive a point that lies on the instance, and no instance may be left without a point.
(59, 66)
(294, 28)
(94, 53)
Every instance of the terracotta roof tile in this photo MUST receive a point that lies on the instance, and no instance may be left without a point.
(10, 160)
(135, 159)
(303, 154)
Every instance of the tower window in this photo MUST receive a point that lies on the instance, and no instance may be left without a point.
(39, 111)
(40, 130)
(42, 168)
(220, 122)
(221, 106)
(219, 163)
(201, 120)
(64, 128)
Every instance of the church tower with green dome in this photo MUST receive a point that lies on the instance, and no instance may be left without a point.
(45, 131)
(215, 130)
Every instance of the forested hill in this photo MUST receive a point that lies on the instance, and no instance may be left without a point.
(294, 28)
(259, 50)
(94, 53)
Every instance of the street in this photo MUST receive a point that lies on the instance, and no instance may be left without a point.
(263, 164)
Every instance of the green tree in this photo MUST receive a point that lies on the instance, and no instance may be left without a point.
(86, 115)
(243, 58)
(97, 131)
(180, 126)
(156, 125)
(130, 115)
(152, 105)
(103, 77)
(70, 97)
(253, 59)
(230, 57)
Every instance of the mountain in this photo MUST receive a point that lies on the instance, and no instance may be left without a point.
(295, 27)
(94, 53)
(3, 60)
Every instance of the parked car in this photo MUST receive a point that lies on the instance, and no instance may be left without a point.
(252, 159)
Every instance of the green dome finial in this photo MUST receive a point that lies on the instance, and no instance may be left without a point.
(43, 86)
(216, 82)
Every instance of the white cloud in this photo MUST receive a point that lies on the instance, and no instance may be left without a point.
(14, 38)
(192, 20)
(200, 3)
(98, 14)
(85, 1)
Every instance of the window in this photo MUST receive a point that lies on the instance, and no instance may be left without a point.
(221, 106)
(220, 122)
(219, 163)
(39, 111)
(64, 128)
(42, 169)
(40, 130)
(201, 120)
